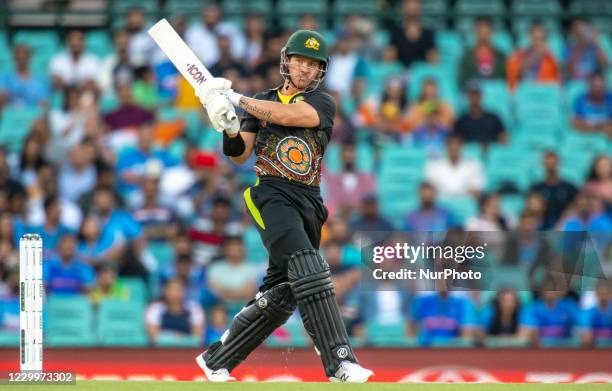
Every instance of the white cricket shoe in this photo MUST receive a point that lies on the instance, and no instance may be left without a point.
(349, 372)
(218, 376)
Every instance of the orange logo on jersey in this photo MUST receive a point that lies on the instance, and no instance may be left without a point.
(294, 154)
(312, 43)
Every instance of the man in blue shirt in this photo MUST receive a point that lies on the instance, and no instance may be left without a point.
(593, 109)
(439, 316)
(20, 87)
(429, 216)
(553, 316)
(596, 322)
(67, 274)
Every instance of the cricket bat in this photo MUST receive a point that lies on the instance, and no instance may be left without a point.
(183, 58)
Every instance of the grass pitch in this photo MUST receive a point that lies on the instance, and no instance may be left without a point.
(257, 386)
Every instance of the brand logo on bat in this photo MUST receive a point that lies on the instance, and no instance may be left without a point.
(198, 75)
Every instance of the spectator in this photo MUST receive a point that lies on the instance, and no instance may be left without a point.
(128, 114)
(592, 111)
(53, 230)
(535, 62)
(413, 41)
(9, 258)
(30, 161)
(107, 285)
(455, 176)
(158, 220)
(478, 125)
(526, 247)
(256, 37)
(428, 216)
(106, 179)
(9, 303)
(596, 322)
(346, 67)
(210, 231)
(490, 217)
(362, 29)
(439, 317)
(217, 325)
(116, 68)
(226, 61)
(174, 315)
(483, 61)
(21, 87)
(78, 175)
(135, 163)
(141, 47)
(368, 223)
(94, 247)
(557, 192)
(67, 274)
(346, 279)
(390, 115)
(430, 108)
(599, 180)
(202, 36)
(553, 316)
(505, 317)
(191, 275)
(588, 214)
(209, 183)
(232, 279)
(583, 54)
(74, 66)
(144, 88)
(72, 123)
(346, 188)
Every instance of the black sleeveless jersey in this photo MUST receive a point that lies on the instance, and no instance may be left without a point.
(292, 153)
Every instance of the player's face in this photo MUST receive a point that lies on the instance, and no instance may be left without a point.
(303, 70)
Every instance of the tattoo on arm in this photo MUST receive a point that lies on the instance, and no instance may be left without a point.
(255, 110)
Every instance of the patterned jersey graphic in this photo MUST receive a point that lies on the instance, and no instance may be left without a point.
(294, 155)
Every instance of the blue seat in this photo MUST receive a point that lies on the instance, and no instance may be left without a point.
(15, 124)
(121, 323)
(388, 334)
(461, 207)
(69, 321)
(447, 83)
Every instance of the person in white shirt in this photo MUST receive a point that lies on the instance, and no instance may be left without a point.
(454, 175)
(141, 46)
(202, 36)
(74, 66)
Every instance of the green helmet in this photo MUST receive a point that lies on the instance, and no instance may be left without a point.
(309, 44)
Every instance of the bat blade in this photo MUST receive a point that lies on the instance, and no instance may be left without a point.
(183, 58)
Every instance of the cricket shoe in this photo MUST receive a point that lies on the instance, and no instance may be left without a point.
(217, 376)
(349, 372)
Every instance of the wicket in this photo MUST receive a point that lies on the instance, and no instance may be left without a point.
(31, 294)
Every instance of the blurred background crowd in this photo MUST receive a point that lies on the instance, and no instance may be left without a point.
(464, 115)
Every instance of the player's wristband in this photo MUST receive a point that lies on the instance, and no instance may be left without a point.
(234, 98)
(233, 146)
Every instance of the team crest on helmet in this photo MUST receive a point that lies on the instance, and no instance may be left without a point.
(295, 155)
(312, 43)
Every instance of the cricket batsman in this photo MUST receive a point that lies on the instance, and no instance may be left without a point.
(289, 128)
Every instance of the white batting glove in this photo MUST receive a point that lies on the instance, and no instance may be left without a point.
(209, 88)
(222, 114)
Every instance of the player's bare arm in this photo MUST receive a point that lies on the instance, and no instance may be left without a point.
(299, 114)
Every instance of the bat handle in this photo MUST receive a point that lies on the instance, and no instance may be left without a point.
(230, 115)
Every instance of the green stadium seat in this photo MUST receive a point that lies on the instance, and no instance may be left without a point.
(504, 167)
(255, 250)
(39, 40)
(461, 207)
(388, 335)
(456, 343)
(332, 158)
(99, 43)
(69, 321)
(512, 205)
(121, 323)
(301, 7)
(434, 7)
(360, 7)
(450, 47)
(559, 343)
(590, 7)
(572, 90)
(480, 7)
(379, 74)
(536, 8)
(15, 125)
(505, 342)
(496, 98)
(173, 340)
(473, 151)
(447, 84)
(509, 276)
(191, 8)
(595, 143)
(9, 338)
(534, 100)
(502, 40)
(123, 6)
(163, 252)
(365, 157)
(137, 287)
(240, 7)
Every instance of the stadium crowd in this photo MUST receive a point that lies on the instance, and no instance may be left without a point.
(119, 171)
